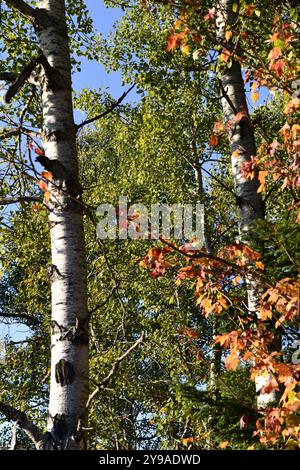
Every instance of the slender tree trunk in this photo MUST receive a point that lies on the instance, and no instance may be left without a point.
(69, 330)
(241, 139)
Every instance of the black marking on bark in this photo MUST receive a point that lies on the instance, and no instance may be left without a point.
(48, 442)
(61, 174)
(54, 80)
(56, 327)
(60, 428)
(53, 274)
(64, 372)
(51, 224)
(79, 333)
(57, 135)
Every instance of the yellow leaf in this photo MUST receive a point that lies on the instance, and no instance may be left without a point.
(262, 179)
(260, 265)
(223, 444)
(236, 280)
(276, 176)
(177, 24)
(47, 196)
(185, 49)
(228, 35)
(255, 96)
(250, 447)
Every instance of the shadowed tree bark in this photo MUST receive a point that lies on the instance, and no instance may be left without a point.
(242, 142)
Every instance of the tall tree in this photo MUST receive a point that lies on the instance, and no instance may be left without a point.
(243, 149)
(51, 70)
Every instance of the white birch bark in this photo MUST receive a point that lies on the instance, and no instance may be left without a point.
(241, 138)
(69, 337)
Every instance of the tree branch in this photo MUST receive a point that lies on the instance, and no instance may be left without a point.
(18, 130)
(32, 431)
(20, 316)
(109, 110)
(23, 8)
(114, 369)
(8, 76)
(15, 200)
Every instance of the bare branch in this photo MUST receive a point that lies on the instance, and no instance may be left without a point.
(8, 76)
(15, 200)
(32, 431)
(114, 369)
(22, 78)
(23, 8)
(20, 316)
(109, 110)
(12, 132)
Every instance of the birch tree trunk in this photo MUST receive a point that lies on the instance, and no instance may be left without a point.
(241, 139)
(69, 323)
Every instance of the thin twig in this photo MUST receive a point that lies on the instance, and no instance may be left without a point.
(113, 370)
(107, 111)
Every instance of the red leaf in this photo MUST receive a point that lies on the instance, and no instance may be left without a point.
(39, 152)
(213, 140)
(210, 15)
(43, 186)
(171, 43)
(241, 115)
(278, 67)
(47, 175)
(274, 53)
(189, 332)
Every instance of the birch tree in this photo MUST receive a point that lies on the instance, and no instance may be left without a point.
(243, 149)
(51, 71)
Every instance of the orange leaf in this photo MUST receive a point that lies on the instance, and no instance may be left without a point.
(237, 280)
(278, 66)
(223, 444)
(228, 35)
(292, 106)
(39, 152)
(239, 116)
(35, 207)
(218, 127)
(249, 10)
(262, 179)
(264, 313)
(189, 333)
(43, 186)
(235, 154)
(47, 175)
(222, 339)
(213, 140)
(231, 362)
(260, 265)
(171, 43)
(255, 96)
(274, 53)
(47, 196)
(225, 55)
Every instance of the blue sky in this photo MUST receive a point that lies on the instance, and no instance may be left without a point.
(92, 74)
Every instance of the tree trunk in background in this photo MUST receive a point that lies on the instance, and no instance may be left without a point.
(241, 139)
(69, 333)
